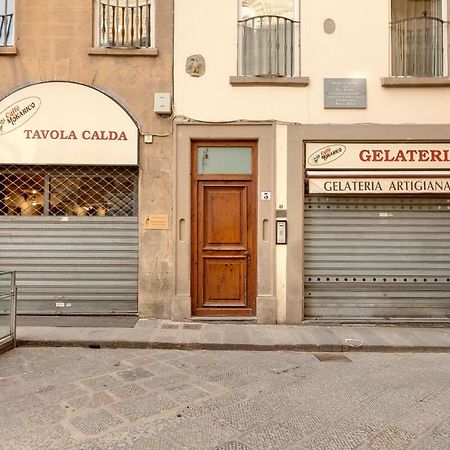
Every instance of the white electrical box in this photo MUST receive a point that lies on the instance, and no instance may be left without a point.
(162, 104)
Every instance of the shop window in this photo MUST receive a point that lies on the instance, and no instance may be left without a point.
(6, 23)
(123, 23)
(66, 191)
(417, 38)
(269, 38)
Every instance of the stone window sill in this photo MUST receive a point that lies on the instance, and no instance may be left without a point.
(269, 81)
(415, 81)
(123, 51)
(8, 51)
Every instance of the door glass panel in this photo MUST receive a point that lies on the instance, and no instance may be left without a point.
(224, 160)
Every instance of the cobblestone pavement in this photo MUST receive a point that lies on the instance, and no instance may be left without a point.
(75, 398)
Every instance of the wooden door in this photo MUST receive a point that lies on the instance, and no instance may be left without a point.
(224, 237)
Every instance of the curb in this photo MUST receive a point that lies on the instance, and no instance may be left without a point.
(331, 348)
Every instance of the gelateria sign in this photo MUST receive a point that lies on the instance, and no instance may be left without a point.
(65, 123)
(384, 155)
(403, 185)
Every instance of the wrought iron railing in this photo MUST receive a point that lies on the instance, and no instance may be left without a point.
(418, 47)
(269, 46)
(8, 310)
(124, 23)
(6, 23)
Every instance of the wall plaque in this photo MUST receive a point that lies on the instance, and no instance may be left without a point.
(157, 222)
(345, 93)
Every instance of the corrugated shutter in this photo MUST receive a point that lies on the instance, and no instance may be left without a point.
(368, 257)
(72, 264)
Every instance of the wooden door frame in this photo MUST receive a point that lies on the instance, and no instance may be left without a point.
(252, 178)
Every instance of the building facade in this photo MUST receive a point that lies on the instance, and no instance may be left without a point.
(312, 160)
(85, 155)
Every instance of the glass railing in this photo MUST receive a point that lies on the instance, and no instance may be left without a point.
(7, 310)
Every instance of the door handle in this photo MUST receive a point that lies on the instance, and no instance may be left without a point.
(247, 254)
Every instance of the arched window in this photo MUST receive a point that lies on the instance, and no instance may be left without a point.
(269, 38)
(417, 38)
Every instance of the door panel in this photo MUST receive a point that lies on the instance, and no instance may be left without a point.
(224, 216)
(223, 241)
(224, 281)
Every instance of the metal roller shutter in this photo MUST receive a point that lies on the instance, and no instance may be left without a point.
(73, 264)
(384, 258)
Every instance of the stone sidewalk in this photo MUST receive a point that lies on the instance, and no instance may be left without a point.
(154, 333)
(153, 399)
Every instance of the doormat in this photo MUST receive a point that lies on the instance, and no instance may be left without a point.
(78, 321)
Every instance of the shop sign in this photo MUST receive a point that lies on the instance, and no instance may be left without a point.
(384, 155)
(358, 186)
(65, 123)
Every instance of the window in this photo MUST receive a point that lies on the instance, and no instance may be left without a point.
(68, 191)
(417, 38)
(269, 38)
(6, 23)
(124, 23)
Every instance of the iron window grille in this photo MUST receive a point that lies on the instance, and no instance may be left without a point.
(124, 23)
(269, 46)
(6, 23)
(68, 191)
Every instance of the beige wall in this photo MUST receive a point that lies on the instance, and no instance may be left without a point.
(358, 48)
(52, 40)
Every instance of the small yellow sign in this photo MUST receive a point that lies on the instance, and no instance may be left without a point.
(157, 222)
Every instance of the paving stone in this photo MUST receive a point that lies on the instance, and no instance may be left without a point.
(95, 422)
(305, 422)
(95, 400)
(148, 405)
(211, 405)
(52, 391)
(135, 374)
(128, 391)
(55, 438)
(202, 432)
(165, 381)
(233, 445)
(244, 415)
(391, 437)
(45, 414)
(272, 435)
(185, 393)
(337, 438)
(103, 382)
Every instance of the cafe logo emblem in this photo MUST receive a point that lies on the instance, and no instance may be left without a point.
(18, 114)
(326, 155)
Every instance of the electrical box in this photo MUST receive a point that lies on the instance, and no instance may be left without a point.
(162, 103)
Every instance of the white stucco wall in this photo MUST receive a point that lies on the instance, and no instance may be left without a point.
(358, 48)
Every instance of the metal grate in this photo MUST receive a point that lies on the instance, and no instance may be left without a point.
(418, 47)
(68, 191)
(269, 46)
(124, 23)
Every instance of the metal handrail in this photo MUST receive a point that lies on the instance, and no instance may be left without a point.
(13, 307)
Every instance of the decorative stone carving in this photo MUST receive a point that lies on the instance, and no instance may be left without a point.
(195, 65)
